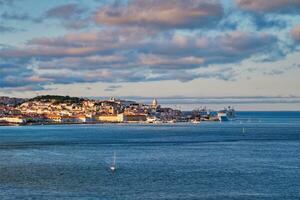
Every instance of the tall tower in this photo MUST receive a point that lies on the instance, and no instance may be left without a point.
(154, 103)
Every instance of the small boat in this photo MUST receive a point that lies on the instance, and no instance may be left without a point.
(194, 121)
(113, 166)
(244, 130)
(172, 121)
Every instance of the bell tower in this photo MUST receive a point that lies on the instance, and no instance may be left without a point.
(154, 103)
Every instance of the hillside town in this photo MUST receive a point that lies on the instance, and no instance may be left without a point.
(72, 110)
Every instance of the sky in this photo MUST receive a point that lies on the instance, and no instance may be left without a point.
(188, 50)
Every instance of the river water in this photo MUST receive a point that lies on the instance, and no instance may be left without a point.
(165, 161)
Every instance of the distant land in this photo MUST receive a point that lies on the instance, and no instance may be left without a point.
(55, 109)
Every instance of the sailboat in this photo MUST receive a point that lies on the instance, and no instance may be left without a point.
(244, 131)
(113, 166)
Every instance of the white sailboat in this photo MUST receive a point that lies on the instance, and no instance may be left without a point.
(113, 166)
(244, 130)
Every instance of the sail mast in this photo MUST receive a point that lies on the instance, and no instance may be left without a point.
(114, 163)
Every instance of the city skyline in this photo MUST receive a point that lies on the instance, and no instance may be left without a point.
(164, 49)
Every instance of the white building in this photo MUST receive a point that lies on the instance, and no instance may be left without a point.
(13, 119)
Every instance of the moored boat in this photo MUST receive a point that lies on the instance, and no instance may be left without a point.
(222, 116)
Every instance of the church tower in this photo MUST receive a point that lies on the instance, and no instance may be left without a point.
(154, 104)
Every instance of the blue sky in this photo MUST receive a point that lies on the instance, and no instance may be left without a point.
(153, 48)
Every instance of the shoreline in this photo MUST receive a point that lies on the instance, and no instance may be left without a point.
(93, 123)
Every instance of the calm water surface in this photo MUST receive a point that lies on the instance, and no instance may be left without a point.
(170, 161)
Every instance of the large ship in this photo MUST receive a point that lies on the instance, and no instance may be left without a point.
(226, 114)
(222, 116)
(230, 112)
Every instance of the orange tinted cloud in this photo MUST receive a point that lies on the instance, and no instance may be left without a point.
(156, 13)
(296, 33)
(268, 5)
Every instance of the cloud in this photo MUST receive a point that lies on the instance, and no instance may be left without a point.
(123, 55)
(225, 74)
(6, 29)
(80, 44)
(264, 14)
(89, 62)
(283, 6)
(274, 72)
(169, 51)
(15, 76)
(92, 76)
(71, 15)
(123, 51)
(153, 40)
(161, 14)
(264, 22)
(295, 32)
(46, 52)
(7, 2)
(180, 75)
(113, 88)
(231, 47)
(164, 61)
(20, 17)
(66, 11)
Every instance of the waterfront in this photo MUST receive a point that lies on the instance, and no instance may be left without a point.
(163, 161)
